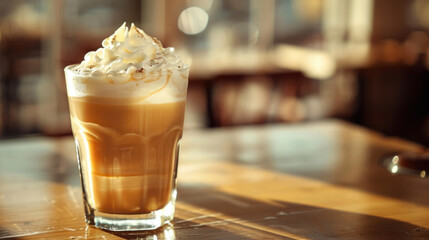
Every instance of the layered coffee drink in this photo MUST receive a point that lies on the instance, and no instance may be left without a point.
(127, 104)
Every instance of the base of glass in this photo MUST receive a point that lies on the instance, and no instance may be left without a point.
(131, 222)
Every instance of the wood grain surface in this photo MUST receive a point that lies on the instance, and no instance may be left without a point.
(318, 180)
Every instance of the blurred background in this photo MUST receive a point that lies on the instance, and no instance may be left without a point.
(252, 61)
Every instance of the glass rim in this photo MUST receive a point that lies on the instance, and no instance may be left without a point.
(184, 69)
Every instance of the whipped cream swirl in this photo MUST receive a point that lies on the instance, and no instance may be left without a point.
(128, 51)
(131, 64)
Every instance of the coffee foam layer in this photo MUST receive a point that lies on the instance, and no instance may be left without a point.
(155, 87)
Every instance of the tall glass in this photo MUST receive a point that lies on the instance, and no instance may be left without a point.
(127, 130)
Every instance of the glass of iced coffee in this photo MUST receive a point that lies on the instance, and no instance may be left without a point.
(127, 104)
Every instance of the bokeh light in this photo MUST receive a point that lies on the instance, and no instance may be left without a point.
(193, 20)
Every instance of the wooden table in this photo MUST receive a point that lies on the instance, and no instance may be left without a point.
(307, 181)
